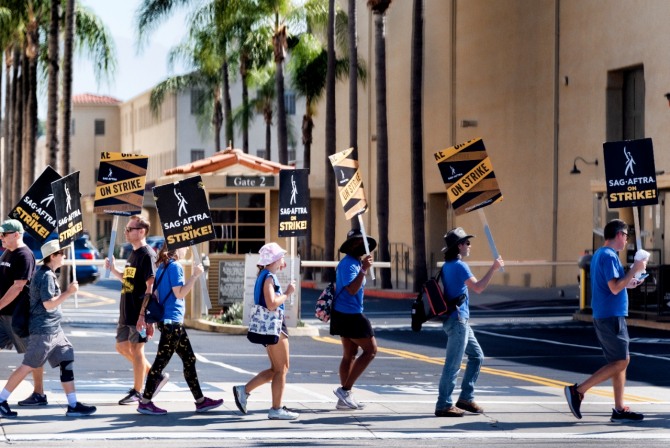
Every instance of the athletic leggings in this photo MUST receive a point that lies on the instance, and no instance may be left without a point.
(173, 340)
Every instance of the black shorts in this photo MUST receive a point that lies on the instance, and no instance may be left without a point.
(352, 326)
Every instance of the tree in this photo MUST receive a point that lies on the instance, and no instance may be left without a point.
(416, 148)
(52, 100)
(378, 8)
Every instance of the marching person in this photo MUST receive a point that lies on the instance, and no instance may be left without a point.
(171, 290)
(137, 279)
(267, 286)
(347, 319)
(609, 302)
(47, 341)
(457, 280)
(17, 265)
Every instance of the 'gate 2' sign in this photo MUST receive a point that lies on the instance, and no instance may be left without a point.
(630, 173)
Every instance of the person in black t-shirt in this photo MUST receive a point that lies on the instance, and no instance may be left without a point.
(137, 280)
(17, 265)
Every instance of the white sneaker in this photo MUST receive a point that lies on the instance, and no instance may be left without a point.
(345, 397)
(282, 414)
(240, 394)
(342, 406)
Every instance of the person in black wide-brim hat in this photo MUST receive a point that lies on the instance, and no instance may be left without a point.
(457, 279)
(347, 318)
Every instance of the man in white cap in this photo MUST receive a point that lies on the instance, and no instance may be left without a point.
(17, 265)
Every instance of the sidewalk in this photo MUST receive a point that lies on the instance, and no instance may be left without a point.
(391, 414)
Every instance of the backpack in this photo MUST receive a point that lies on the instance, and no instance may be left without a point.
(324, 304)
(431, 302)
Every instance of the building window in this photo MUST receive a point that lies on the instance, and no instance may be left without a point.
(289, 102)
(260, 153)
(197, 101)
(241, 217)
(99, 127)
(197, 154)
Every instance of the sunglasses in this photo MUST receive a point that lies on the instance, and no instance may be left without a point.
(60, 252)
(130, 229)
(4, 234)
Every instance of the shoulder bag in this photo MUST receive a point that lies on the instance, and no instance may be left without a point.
(264, 324)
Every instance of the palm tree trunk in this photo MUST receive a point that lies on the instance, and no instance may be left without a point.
(268, 132)
(330, 214)
(244, 62)
(353, 87)
(4, 142)
(307, 128)
(228, 108)
(52, 106)
(217, 119)
(10, 124)
(31, 128)
(382, 148)
(279, 44)
(18, 131)
(67, 85)
(416, 149)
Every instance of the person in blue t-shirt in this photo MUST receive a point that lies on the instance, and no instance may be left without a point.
(609, 301)
(347, 319)
(171, 287)
(457, 280)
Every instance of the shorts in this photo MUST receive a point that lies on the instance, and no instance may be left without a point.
(352, 326)
(9, 339)
(613, 336)
(54, 348)
(128, 333)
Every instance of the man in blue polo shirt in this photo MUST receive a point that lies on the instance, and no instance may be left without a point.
(610, 308)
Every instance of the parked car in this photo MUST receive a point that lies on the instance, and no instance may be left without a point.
(83, 250)
(156, 242)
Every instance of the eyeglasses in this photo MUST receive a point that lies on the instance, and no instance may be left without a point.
(130, 229)
(624, 234)
(4, 234)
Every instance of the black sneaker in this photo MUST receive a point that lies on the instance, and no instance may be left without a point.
(6, 411)
(160, 382)
(34, 399)
(80, 410)
(625, 416)
(133, 396)
(574, 400)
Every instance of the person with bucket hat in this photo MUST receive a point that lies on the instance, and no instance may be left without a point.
(267, 286)
(17, 265)
(47, 341)
(347, 318)
(457, 280)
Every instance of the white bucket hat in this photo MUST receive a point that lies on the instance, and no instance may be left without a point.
(270, 253)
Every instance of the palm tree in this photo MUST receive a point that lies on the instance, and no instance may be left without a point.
(416, 148)
(67, 86)
(264, 82)
(52, 101)
(378, 8)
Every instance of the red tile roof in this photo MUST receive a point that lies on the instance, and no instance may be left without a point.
(226, 158)
(89, 98)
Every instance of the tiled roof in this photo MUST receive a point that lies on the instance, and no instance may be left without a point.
(89, 98)
(226, 158)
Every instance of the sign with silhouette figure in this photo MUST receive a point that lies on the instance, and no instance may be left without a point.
(121, 182)
(37, 208)
(349, 183)
(468, 176)
(184, 212)
(630, 173)
(293, 203)
(69, 218)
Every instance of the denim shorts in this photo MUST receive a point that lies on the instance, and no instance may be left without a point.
(613, 336)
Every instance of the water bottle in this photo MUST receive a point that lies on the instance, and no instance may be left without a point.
(143, 332)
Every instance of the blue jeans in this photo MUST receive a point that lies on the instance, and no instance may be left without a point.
(460, 340)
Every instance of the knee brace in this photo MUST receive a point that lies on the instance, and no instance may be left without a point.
(66, 373)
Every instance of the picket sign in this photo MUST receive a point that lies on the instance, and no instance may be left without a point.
(203, 282)
(365, 242)
(489, 236)
(112, 242)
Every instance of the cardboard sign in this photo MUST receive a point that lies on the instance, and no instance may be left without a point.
(468, 176)
(70, 222)
(294, 217)
(630, 173)
(184, 213)
(120, 186)
(349, 183)
(37, 209)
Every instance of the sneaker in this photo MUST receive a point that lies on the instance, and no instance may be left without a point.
(282, 414)
(451, 411)
(241, 395)
(132, 397)
(625, 416)
(34, 399)
(162, 381)
(342, 406)
(346, 397)
(574, 400)
(80, 410)
(208, 404)
(150, 409)
(469, 406)
(5, 411)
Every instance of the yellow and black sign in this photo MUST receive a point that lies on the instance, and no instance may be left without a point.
(349, 183)
(468, 176)
(121, 183)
